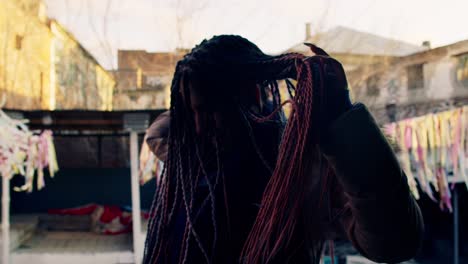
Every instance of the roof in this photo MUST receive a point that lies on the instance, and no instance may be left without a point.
(89, 120)
(347, 40)
(149, 62)
(454, 49)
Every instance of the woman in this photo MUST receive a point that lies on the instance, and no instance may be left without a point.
(241, 185)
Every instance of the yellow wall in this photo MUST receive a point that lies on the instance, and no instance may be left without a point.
(105, 84)
(81, 83)
(42, 66)
(25, 70)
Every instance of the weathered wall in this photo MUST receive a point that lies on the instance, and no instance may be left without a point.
(135, 90)
(81, 83)
(144, 78)
(24, 57)
(43, 67)
(442, 82)
(141, 99)
(161, 63)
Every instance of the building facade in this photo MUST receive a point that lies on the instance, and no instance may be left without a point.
(424, 82)
(355, 48)
(80, 81)
(144, 79)
(42, 66)
(25, 56)
(397, 80)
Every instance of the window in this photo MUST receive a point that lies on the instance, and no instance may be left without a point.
(373, 86)
(415, 75)
(462, 69)
(18, 41)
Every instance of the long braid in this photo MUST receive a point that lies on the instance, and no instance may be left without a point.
(189, 203)
(279, 213)
(157, 227)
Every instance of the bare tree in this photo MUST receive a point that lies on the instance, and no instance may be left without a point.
(186, 12)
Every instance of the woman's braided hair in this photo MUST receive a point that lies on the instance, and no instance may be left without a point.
(230, 59)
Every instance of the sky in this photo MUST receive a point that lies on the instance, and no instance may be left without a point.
(104, 26)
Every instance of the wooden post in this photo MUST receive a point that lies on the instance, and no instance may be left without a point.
(136, 212)
(456, 243)
(5, 219)
(134, 122)
(456, 226)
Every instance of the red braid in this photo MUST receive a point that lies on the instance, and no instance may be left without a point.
(281, 203)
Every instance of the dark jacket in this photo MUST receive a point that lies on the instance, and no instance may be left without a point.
(370, 200)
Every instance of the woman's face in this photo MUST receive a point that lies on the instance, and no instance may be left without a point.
(218, 107)
(204, 112)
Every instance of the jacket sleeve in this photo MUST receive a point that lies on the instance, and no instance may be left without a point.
(157, 134)
(384, 222)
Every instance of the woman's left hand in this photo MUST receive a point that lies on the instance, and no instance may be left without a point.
(336, 100)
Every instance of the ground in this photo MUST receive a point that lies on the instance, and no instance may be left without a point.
(74, 247)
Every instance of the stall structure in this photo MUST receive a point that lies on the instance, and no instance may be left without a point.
(126, 127)
(433, 151)
(26, 153)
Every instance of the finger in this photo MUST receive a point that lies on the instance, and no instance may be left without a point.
(316, 50)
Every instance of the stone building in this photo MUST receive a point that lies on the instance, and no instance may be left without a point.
(42, 66)
(355, 48)
(80, 81)
(144, 79)
(429, 81)
(24, 54)
(397, 80)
